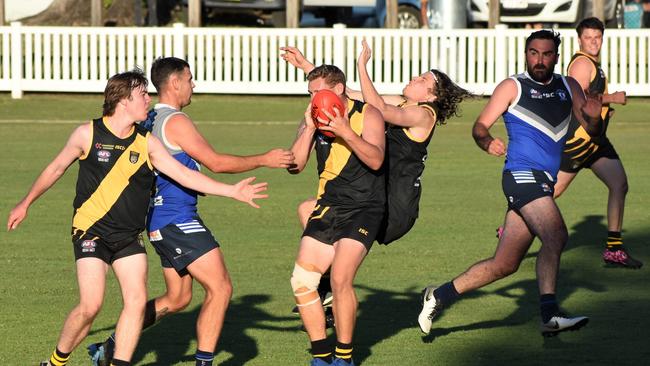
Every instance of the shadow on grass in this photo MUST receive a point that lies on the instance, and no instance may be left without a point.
(172, 338)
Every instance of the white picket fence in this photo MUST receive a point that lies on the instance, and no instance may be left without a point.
(247, 60)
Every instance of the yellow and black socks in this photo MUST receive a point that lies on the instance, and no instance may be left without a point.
(344, 351)
(322, 349)
(614, 241)
(203, 358)
(59, 358)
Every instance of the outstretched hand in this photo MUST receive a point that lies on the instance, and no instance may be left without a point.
(278, 158)
(247, 192)
(293, 56)
(16, 216)
(365, 54)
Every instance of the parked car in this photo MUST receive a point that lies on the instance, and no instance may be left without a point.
(546, 12)
(353, 13)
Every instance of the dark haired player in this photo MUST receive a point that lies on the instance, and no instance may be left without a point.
(597, 152)
(116, 161)
(536, 107)
(186, 247)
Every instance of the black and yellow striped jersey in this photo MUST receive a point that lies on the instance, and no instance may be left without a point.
(114, 184)
(577, 136)
(344, 179)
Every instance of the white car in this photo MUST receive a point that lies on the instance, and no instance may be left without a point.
(562, 12)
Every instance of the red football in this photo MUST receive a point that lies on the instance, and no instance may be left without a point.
(325, 100)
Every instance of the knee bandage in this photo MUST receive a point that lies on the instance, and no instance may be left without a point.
(305, 285)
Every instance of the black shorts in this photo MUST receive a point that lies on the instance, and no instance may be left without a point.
(329, 224)
(89, 246)
(575, 160)
(524, 186)
(396, 223)
(178, 245)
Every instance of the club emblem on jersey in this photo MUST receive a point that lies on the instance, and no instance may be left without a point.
(562, 94)
(133, 157)
(88, 246)
(103, 156)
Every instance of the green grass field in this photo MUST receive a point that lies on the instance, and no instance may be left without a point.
(462, 204)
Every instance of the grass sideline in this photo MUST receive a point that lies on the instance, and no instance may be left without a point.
(461, 206)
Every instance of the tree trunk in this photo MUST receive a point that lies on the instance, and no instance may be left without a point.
(77, 12)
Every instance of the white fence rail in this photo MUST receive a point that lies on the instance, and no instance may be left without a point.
(247, 61)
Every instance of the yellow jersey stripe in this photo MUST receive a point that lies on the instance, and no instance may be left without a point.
(340, 152)
(111, 187)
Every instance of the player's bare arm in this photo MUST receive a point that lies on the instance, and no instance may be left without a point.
(304, 142)
(182, 132)
(293, 56)
(413, 117)
(583, 71)
(75, 147)
(619, 97)
(586, 108)
(370, 146)
(243, 191)
(499, 102)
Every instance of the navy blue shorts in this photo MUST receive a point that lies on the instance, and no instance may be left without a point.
(178, 245)
(524, 186)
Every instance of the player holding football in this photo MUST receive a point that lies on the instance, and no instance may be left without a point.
(428, 100)
(536, 107)
(174, 224)
(347, 216)
(116, 161)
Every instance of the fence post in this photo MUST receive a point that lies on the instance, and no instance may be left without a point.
(339, 45)
(179, 40)
(500, 51)
(16, 56)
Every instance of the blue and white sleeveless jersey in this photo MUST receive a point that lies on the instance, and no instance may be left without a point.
(537, 123)
(171, 203)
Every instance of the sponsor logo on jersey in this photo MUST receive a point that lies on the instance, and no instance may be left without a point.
(155, 236)
(88, 246)
(535, 94)
(103, 156)
(363, 231)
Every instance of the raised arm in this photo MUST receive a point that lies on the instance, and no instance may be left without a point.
(243, 191)
(387, 105)
(181, 131)
(304, 142)
(370, 146)
(293, 56)
(499, 102)
(586, 108)
(73, 149)
(583, 71)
